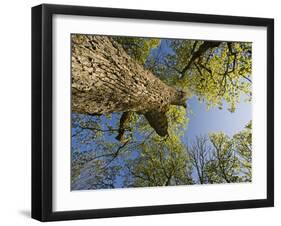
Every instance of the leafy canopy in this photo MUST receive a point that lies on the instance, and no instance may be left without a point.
(215, 72)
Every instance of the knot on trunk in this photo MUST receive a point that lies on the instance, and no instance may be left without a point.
(180, 98)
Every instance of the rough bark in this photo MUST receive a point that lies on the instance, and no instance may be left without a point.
(105, 80)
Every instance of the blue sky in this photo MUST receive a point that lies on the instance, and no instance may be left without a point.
(202, 120)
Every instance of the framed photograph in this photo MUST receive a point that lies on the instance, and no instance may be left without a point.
(147, 112)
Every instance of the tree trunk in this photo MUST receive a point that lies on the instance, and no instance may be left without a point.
(105, 80)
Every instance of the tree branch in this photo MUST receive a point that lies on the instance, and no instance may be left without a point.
(202, 49)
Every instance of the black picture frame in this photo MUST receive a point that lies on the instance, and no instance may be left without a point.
(42, 107)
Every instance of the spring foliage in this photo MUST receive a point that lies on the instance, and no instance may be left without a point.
(215, 73)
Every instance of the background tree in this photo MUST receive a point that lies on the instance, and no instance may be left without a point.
(243, 145)
(199, 152)
(160, 163)
(221, 159)
(223, 167)
(213, 71)
(138, 48)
